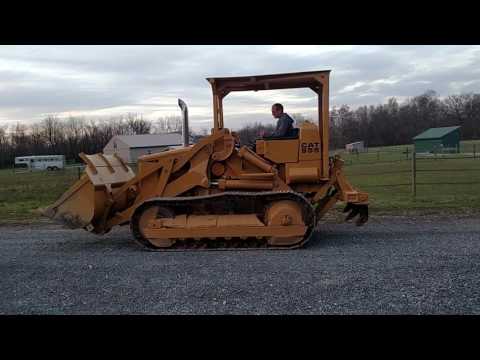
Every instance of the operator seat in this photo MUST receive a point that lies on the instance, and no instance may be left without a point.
(294, 132)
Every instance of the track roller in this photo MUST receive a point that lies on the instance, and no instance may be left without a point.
(237, 220)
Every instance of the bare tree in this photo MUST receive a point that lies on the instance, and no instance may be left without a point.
(250, 132)
(53, 131)
(385, 124)
(137, 125)
(5, 147)
(300, 118)
(168, 124)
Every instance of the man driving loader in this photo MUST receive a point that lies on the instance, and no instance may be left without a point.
(284, 126)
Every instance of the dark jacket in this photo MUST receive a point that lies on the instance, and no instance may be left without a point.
(284, 126)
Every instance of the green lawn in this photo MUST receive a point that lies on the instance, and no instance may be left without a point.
(468, 146)
(403, 152)
(21, 194)
(389, 185)
(385, 175)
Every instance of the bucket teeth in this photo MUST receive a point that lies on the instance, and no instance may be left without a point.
(357, 209)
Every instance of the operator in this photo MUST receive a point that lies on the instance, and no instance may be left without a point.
(284, 124)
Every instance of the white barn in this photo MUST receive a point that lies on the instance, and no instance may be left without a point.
(131, 147)
(356, 147)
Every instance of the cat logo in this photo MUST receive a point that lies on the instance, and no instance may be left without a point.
(310, 147)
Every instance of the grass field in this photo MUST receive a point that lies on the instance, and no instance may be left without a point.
(22, 193)
(470, 148)
(383, 182)
(382, 170)
(385, 175)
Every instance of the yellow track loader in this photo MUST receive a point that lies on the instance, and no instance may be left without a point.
(216, 193)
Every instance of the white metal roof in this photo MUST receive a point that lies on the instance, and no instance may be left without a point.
(151, 140)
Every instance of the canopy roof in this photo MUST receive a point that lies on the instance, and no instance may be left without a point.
(309, 79)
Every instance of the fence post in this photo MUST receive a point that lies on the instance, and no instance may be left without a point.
(407, 152)
(414, 174)
(474, 152)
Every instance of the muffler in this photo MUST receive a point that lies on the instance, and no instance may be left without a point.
(185, 130)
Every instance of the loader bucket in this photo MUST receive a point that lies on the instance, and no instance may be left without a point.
(86, 202)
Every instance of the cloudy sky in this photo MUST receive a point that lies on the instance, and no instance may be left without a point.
(102, 81)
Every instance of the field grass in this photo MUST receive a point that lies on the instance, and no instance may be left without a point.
(390, 190)
(385, 175)
(21, 194)
(469, 148)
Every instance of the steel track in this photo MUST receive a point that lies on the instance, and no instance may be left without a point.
(223, 203)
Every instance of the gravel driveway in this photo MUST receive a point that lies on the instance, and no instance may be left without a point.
(390, 266)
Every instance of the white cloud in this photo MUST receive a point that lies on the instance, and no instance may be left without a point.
(351, 87)
(112, 80)
(309, 50)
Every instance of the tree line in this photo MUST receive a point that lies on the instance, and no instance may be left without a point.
(396, 124)
(71, 136)
(381, 125)
(393, 123)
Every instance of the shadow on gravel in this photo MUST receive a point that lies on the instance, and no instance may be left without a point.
(324, 239)
(80, 241)
(340, 235)
(73, 241)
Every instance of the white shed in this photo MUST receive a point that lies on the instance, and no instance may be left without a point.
(356, 147)
(131, 147)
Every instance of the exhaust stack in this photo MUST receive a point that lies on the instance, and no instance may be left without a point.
(185, 132)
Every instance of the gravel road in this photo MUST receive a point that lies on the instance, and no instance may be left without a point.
(392, 265)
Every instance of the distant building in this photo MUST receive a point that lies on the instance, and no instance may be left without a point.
(442, 139)
(131, 147)
(355, 147)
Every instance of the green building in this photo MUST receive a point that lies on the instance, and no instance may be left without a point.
(442, 139)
